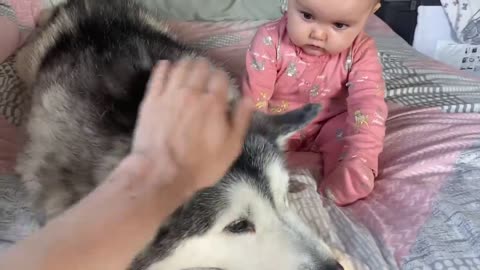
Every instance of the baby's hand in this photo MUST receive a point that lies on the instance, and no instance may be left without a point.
(349, 182)
(184, 127)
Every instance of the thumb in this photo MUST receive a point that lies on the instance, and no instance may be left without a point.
(156, 83)
(241, 121)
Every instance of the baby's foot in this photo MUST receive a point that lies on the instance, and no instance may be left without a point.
(348, 183)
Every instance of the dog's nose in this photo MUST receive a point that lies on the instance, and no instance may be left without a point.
(333, 266)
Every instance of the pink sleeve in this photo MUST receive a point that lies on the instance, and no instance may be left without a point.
(261, 69)
(366, 106)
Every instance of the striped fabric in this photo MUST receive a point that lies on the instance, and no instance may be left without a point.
(416, 80)
(6, 11)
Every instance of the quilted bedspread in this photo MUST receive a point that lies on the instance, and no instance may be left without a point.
(425, 210)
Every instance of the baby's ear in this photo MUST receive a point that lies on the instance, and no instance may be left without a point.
(377, 7)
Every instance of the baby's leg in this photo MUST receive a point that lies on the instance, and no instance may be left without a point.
(345, 181)
(330, 142)
(303, 163)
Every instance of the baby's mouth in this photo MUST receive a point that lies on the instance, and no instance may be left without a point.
(313, 50)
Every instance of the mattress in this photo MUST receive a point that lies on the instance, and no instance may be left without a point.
(424, 211)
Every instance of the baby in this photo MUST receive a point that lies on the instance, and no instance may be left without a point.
(318, 53)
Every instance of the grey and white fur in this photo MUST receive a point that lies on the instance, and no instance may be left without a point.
(87, 69)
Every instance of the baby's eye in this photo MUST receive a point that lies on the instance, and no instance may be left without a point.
(340, 26)
(307, 16)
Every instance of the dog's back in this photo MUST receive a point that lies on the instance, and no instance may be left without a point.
(89, 66)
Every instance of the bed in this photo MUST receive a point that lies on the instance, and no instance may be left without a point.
(425, 210)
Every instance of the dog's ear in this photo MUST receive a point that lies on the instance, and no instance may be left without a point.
(280, 127)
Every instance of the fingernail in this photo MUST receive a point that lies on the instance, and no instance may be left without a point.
(162, 62)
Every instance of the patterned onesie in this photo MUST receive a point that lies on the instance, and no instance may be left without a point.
(351, 126)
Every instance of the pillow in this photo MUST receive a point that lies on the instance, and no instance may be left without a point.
(217, 10)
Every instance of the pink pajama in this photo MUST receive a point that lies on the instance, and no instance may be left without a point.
(329, 143)
(350, 129)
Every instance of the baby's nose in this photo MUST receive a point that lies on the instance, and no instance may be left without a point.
(318, 34)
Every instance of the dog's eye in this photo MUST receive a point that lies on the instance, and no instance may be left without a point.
(241, 226)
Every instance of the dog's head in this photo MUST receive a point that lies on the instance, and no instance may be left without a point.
(244, 222)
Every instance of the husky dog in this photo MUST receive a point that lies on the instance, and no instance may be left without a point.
(87, 68)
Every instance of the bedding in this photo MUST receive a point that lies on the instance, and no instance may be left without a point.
(425, 210)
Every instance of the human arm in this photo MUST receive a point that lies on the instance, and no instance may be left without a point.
(167, 164)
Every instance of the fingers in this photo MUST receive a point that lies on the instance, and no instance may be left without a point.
(198, 94)
(240, 122)
(218, 86)
(218, 110)
(189, 74)
(199, 76)
(189, 120)
(241, 119)
(190, 124)
(178, 76)
(157, 79)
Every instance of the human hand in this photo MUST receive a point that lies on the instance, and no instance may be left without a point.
(185, 126)
(349, 182)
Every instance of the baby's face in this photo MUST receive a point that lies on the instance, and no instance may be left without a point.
(327, 26)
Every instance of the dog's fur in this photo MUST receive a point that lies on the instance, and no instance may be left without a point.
(87, 68)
